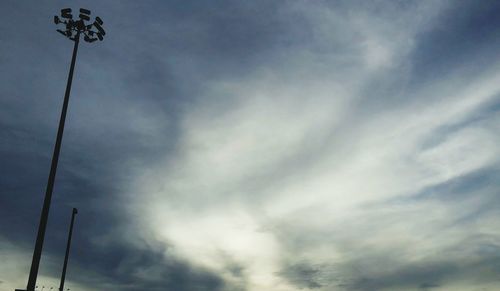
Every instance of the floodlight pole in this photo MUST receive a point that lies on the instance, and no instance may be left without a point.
(63, 276)
(73, 29)
(37, 253)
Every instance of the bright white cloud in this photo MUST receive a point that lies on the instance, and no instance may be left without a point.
(282, 167)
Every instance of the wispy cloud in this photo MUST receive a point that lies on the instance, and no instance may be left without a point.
(286, 146)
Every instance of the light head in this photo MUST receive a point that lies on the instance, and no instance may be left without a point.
(73, 28)
(99, 28)
(66, 13)
(84, 14)
(98, 20)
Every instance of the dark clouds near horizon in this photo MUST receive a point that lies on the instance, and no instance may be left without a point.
(256, 145)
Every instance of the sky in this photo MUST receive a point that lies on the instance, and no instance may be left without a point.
(255, 145)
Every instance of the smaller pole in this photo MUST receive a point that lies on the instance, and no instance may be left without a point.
(63, 276)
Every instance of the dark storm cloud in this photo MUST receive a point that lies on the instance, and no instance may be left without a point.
(94, 160)
(136, 269)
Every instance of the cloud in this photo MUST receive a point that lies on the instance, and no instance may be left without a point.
(262, 146)
(293, 145)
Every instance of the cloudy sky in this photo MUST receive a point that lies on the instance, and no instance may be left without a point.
(256, 145)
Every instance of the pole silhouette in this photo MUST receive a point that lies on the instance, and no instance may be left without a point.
(73, 30)
(68, 245)
(37, 253)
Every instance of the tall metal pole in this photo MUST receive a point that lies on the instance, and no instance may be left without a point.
(63, 276)
(37, 253)
(72, 30)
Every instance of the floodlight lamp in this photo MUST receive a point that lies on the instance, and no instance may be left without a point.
(74, 28)
(84, 17)
(99, 28)
(66, 13)
(62, 32)
(84, 11)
